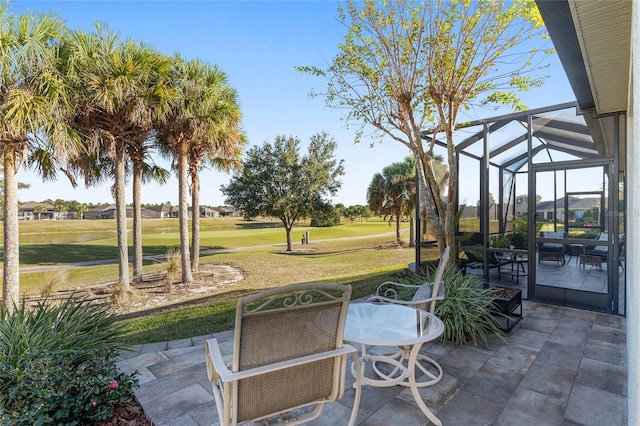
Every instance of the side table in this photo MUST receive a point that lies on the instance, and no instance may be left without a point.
(589, 259)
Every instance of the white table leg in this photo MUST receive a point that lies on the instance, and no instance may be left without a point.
(411, 375)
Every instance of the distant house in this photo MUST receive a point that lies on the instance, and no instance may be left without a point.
(175, 212)
(473, 212)
(32, 210)
(105, 211)
(162, 211)
(548, 210)
(228, 211)
(521, 208)
(95, 212)
(208, 212)
(469, 212)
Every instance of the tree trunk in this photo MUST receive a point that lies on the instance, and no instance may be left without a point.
(195, 219)
(121, 221)
(11, 260)
(183, 216)
(137, 223)
(398, 227)
(412, 237)
(434, 207)
(449, 224)
(288, 227)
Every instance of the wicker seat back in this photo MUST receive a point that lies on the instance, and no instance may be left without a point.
(280, 327)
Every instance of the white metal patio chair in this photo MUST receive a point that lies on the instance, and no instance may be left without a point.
(425, 297)
(289, 358)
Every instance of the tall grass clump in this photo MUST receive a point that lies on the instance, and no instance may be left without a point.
(172, 267)
(58, 364)
(53, 281)
(122, 296)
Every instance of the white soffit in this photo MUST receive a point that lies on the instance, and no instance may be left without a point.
(603, 28)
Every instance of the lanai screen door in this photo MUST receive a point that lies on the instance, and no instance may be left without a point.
(583, 223)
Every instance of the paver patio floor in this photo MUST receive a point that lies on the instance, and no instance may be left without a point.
(558, 366)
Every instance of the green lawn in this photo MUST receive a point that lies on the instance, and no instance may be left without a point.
(362, 262)
(161, 234)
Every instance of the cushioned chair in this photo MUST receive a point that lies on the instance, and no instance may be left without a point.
(424, 297)
(603, 251)
(550, 250)
(289, 358)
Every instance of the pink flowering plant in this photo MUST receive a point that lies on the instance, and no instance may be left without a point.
(59, 365)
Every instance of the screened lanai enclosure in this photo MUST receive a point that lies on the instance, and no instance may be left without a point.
(541, 205)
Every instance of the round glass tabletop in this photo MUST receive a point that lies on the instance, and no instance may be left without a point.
(390, 325)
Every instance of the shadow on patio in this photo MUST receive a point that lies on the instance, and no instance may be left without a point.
(561, 366)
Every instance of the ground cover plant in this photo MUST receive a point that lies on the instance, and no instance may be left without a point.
(58, 364)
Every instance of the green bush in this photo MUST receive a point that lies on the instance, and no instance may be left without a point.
(499, 241)
(325, 218)
(58, 364)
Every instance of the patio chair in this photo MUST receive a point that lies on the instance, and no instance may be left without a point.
(289, 358)
(603, 251)
(425, 297)
(476, 260)
(552, 251)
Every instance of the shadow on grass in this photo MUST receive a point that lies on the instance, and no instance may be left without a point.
(259, 225)
(46, 254)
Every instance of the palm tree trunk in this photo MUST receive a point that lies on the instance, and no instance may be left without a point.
(121, 223)
(11, 268)
(195, 220)
(183, 215)
(137, 223)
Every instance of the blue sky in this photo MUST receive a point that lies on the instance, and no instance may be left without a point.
(258, 44)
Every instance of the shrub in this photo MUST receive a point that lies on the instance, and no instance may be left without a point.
(58, 364)
(467, 310)
(499, 241)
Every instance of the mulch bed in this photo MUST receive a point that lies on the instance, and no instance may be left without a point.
(130, 414)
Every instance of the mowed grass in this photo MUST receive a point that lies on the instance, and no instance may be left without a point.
(360, 263)
(161, 234)
(353, 253)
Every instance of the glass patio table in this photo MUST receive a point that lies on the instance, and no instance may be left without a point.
(517, 259)
(389, 325)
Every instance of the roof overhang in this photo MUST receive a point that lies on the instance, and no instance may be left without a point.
(592, 39)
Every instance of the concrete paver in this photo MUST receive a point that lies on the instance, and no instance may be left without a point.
(558, 366)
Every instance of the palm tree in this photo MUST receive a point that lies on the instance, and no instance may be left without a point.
(221, 147)
(33, 103)
(202, 122)
(225, 164)
(114, 81)
(39, 210)
(390, 192)
(144, 170)
(81, 209)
